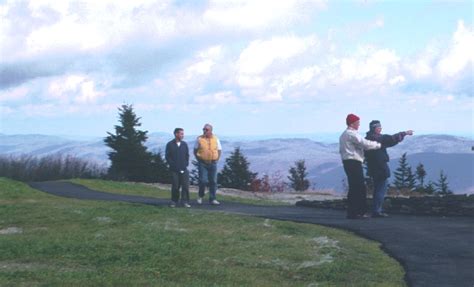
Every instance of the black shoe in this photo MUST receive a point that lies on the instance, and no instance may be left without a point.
(380, 215)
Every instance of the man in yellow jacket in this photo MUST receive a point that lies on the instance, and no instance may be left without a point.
(207, 151)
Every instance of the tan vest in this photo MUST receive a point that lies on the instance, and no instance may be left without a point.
(207, 150)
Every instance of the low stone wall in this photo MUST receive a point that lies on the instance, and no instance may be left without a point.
(449, 205)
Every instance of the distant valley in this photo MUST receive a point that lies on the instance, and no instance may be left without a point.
(451, 154)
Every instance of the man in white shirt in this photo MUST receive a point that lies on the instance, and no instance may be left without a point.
(351, 148)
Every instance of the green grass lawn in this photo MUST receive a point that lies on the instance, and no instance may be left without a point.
(51, 241)
(147, 190)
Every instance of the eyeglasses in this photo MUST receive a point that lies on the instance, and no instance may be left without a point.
(205, 129)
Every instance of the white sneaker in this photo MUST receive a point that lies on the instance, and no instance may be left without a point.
(186, 205)
(199, 200)
(215, 202)
(172, 205)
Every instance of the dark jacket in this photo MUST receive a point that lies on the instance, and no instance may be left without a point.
(177, 157)
(377, 160)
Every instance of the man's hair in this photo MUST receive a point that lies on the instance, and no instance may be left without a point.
(177, 130)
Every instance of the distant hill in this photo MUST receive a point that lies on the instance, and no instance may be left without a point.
(449, 153)
(458, 167)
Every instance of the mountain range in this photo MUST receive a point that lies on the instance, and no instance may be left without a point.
(452, 154)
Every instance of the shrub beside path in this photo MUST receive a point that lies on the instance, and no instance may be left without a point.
(435, 251)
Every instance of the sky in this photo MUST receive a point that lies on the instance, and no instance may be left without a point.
(252, 68)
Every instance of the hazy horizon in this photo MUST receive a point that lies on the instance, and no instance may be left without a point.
(319, 137)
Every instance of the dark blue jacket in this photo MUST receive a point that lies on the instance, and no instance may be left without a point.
(377, 160)
(177, 157)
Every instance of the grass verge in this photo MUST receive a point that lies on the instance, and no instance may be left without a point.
(51, 241)
(148, 190)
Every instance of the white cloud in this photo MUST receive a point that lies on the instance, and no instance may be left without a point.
(379, 22)
(202, 67)
(303, 76)
(397, 80)
(205, 61)
(195, 73)
(257, 14)
(219, 98)
(78, 88)
(460, 55)
(370, 63)
(259, 55)
(89, 25)
(51, 26)
(298, 79)
(166, 55)
(14, 94)
(69, 33)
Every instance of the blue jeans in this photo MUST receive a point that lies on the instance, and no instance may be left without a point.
(380, 188)
(208, 176)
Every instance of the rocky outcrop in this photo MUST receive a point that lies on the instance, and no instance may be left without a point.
(449, 205)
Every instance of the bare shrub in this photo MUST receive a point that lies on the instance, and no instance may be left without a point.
(273, 183)
(53, 167)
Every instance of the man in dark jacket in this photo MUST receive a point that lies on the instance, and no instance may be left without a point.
(377, 163)
(177, 156)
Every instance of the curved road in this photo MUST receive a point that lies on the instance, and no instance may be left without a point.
(435, 251)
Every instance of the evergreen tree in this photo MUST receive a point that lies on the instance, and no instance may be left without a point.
(420, 176)
(402, 173)
(430, 188)
(442, 187)
(129, 156)
(298, 176)
(160, 171)
(236, 173)
(411, 179)
(194, 173)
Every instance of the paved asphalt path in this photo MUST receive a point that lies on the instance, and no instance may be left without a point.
(435, 251)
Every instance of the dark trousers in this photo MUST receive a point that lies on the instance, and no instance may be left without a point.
(357, 196)
(180, 180)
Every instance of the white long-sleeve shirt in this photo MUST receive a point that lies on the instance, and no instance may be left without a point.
(352, 145)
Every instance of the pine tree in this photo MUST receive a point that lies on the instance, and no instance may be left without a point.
(129, 157)
(401, 173)
(411, 179)
(236, 173)
(442, 187)
(420, 176)
(430, 188)
(160, 171)
(298, 176)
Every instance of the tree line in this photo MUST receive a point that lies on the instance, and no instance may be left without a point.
(405, 178)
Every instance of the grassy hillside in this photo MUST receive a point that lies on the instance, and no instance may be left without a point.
(51, 241)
